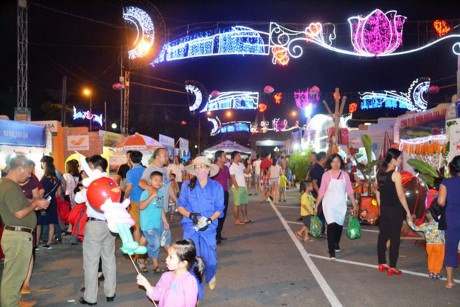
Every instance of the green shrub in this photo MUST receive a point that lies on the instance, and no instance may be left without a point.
(299, 163)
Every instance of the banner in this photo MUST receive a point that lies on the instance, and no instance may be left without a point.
(183, 144)
(453, 138)
(51, 124)
(77, 142)
(166, 141)
(16, 133)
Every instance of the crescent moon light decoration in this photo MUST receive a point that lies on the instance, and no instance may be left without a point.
(145, 31)
(192, 89)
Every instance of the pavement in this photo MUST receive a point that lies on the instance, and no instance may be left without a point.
(264, 264)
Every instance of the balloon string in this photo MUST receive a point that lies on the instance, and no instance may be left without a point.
(135, 266)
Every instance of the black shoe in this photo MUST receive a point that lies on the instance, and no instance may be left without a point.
(337, 248)
(110, 298)
(223, 239)
(82, 289)
(299, 219)
(83, 302)
(101, 278)
(218, 241)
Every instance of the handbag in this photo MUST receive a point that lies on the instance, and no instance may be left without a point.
(315, 226)
(354, 229)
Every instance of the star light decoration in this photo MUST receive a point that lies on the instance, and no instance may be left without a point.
(278, 97)
(145, 31)
(413, 100)
(377, 33)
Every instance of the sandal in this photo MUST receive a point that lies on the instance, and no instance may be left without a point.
(449, 285)
(248, 221)
(239, 223)
(298, 235)
(158, 270)
(142, 266)
(309, 240)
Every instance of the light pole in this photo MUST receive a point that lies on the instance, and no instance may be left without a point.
(88, 93)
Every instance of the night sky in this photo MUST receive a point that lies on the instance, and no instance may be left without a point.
(87, 52)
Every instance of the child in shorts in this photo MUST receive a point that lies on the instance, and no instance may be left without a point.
(284, 183)
(307, 203)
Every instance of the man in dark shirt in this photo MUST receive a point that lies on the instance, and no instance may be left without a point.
(20, 220)
(316, 174)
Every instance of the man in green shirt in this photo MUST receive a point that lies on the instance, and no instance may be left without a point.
(19, 219)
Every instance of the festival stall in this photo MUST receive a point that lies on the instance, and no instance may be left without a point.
(22, 138)
(145, 144)
(228, 147)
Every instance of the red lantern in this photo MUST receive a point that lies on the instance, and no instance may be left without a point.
(262, 107)
(102, 189)
(352, 107)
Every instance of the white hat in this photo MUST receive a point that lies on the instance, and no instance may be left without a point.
(202, 160)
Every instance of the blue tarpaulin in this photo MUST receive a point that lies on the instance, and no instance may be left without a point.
(15, 133)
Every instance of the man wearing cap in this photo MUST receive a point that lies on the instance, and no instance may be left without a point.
(201, 202)
(20, 220)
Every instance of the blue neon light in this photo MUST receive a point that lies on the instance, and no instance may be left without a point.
(237, 127)
(235, 40)
(233, 100)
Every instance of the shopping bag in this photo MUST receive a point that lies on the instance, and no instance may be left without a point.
(315, 227)
(354, 229)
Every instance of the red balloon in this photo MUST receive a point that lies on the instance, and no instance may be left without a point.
(102, 189)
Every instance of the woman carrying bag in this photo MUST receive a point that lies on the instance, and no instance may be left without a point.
(335, 185)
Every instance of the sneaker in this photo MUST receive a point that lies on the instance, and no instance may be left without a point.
(332, 258)
(337, 248)
(37, 248)
(47, 246)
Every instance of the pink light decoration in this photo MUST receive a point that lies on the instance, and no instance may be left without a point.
(303, 98)
(215, 93)
(118, 86)
(434, 89)
(377, 33)
(268, 89)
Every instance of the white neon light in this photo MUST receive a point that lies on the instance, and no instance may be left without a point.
(145, 31)
(229, 127)
(413, 100)
(232, 100)
(421, 140)
(237, 40)
(87, 115)
(192, 89)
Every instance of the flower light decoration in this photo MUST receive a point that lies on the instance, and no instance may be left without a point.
(377, 33)
(442, 27)
(278, 97)
(280, 56)
(268, 89)
(145, 31)
(277, 126)
(304, 98)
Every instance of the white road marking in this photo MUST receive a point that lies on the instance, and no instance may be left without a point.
(330, 295)
(292, 207)
(362, 229)
(374, 266)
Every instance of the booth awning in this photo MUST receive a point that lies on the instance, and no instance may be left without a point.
(15, 133)
(138, 142)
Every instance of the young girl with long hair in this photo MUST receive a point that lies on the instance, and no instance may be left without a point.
(178, 287)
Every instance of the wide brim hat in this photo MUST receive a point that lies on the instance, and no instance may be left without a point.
(202, 160)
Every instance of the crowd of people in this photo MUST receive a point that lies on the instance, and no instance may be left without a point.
(199, 193)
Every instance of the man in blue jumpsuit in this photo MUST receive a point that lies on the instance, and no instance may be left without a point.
(202, 199)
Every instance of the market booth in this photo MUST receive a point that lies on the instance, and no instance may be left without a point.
(228, 147)
(145, 144)
(21, 138)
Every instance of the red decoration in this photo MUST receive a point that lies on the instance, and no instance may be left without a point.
(281, 56)
(262, 107)
(442, 27)
(118, 86)
(102, 189)
(406, 177)
(183, 123)
(268, 89)
(352, 107)
(434, 89)
(278, 97)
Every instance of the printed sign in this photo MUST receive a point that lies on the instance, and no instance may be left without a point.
(183, 144)
(77, 142)
(17, 133)
(166, 141)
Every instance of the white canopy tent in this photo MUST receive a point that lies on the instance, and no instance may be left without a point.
(228, 147)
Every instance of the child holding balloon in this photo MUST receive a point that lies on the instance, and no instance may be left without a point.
(178, 287)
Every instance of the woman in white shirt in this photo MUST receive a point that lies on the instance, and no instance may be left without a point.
(71, 178)
(274, 173)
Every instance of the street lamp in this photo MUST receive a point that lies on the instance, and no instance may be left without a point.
(114, 126)
(228, 114)
(88, 93)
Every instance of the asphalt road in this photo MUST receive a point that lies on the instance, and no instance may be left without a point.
(262, 264)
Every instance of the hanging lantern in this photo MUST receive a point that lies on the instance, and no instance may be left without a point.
(183, 123)
(215, 93)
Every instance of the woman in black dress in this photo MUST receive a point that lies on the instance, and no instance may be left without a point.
(49, 216)
(393, 210)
